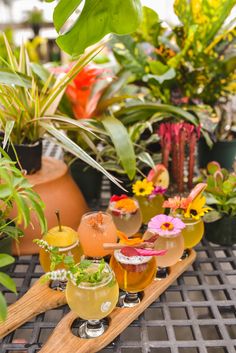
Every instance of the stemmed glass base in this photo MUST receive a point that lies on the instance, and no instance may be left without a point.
(185, 255)
(58, 285)
(92, 329)
(162, 273)
(129, 300)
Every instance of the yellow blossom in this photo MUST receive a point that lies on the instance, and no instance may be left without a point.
(143, 187)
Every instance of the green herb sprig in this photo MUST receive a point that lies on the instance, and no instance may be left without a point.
(76, 272)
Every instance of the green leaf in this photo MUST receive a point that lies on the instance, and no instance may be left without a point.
(3, 308)
(147, 159)
(6, 259)
(168, 75)
(138, 112)
(73, 148)
(212, 216)
(213, 167)
(97, 18)
(149, 27)
(63, 11)
(9, 77)
(40, 71)
(7, 282)
(124, 148)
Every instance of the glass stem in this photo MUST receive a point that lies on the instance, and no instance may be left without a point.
(131, 299)
(94, 328)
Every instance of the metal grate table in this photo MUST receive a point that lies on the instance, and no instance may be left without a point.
(197, 314)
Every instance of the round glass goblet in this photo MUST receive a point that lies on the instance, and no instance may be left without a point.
(126, 221)
(133, 275)
(174, 245)
(192, 234)
(95, 229)
(93, 301)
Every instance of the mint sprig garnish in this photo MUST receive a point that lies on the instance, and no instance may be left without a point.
(76, 272)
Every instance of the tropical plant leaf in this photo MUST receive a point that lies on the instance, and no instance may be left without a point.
(96, 19)
(122, 143)
(8, 77)
(3, 308)
(7, 282)
(146, 159)
(137, 112)
(149, 28)
(6, 259)
(70, 146)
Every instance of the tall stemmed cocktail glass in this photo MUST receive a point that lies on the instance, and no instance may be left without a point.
(95, 229)
(126, 214)
(168, 233)
(133, 274)
(92, 295)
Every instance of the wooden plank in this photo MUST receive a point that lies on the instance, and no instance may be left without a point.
(39, 298)
(63, 340)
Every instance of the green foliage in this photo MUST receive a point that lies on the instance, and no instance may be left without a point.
(221, 189)
(16, 190)
(191, 66)
(29, 99)
(7, 282)
(96, 19)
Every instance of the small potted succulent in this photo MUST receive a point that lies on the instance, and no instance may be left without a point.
(221, 195)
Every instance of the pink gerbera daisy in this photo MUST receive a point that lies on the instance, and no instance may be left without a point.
(165, 226)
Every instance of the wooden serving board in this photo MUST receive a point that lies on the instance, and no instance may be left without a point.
(63, 340)
(39, 298)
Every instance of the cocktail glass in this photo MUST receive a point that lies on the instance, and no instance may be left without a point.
(95, 229)
(150, 207)
(173, 244)
(127, 219)
(93, 301)
(192, 234)
(133, 274)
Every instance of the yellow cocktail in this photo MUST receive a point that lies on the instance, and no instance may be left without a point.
(95, 229)
(93, 301)
(193, 232)
(150, 207)
(73, 250)
(66, 240)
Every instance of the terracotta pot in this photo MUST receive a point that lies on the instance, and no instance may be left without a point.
(58, 191)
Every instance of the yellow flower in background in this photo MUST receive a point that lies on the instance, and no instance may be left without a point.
(196, 208)
(143, 187)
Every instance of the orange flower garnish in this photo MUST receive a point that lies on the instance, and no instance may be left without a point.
(127, 205)
(129, 241)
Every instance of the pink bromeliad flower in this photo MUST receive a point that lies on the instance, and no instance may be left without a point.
(165, 226)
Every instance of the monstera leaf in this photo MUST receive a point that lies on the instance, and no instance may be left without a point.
(96, 19)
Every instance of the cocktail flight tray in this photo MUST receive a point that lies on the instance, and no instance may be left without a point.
(63, 340)
(38, 299)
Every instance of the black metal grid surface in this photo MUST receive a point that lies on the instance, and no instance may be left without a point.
(197, 314)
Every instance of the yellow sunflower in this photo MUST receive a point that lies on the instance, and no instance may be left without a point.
(143, 187)
(196, 208)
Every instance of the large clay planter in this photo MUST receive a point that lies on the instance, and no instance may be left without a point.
(58, 191)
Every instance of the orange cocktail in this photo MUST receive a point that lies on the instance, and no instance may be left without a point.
(95, 229)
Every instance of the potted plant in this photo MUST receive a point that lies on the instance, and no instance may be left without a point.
(35, 19)
(190, 66)
(221, 196)
(15, 192)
